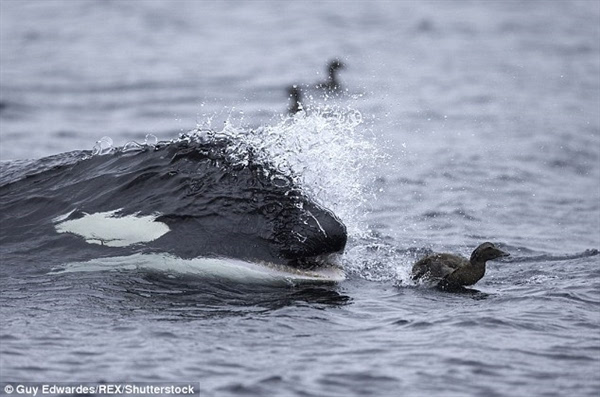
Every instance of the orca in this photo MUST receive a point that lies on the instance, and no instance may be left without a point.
(187, 199)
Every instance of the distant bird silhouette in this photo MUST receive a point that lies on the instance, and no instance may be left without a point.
(296, 99)
(332, 83)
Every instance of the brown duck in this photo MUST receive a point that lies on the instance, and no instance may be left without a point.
(452, 271)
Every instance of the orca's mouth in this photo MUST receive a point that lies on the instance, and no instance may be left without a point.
(331, 260)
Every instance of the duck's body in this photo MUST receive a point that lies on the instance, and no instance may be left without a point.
(295, 95)
(448, 270)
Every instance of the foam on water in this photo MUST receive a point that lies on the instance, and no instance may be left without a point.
(374, 260)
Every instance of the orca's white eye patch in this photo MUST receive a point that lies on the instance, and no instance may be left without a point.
(110, 229)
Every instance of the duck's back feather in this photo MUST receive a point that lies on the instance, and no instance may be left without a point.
(436, 267)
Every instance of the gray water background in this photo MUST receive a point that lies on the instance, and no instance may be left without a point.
(490, 114)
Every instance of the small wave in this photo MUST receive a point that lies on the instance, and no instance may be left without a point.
(106, 146)
(15, 170)
(539, 279)
(457, 213)
(552, 258)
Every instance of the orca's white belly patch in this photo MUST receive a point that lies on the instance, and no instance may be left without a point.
(110, 229)
(222, 268)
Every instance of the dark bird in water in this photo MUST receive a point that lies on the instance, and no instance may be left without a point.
(296, 99)
(452, 271)
(332, 83)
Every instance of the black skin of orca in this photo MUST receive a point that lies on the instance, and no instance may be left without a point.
(213, 207)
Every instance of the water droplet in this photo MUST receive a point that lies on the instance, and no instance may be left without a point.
(151, 140)
(103, 146)
(132, 146)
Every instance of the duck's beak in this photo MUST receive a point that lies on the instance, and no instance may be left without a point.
(503, 254)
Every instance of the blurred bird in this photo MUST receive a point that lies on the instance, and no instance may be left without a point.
(296, 99)
(332, 83)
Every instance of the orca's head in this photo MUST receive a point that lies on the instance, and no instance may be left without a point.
(250, 211)
(304, 231)
(218, 207)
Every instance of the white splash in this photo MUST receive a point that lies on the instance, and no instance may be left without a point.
(325, 150)
(110, 229)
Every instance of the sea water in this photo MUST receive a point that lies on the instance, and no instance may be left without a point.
(457, 123)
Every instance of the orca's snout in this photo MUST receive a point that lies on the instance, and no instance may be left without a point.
(316, 232)
(334, 234)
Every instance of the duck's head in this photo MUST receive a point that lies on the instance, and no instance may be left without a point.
(335, 65)
(294, 91)
(487, 252)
